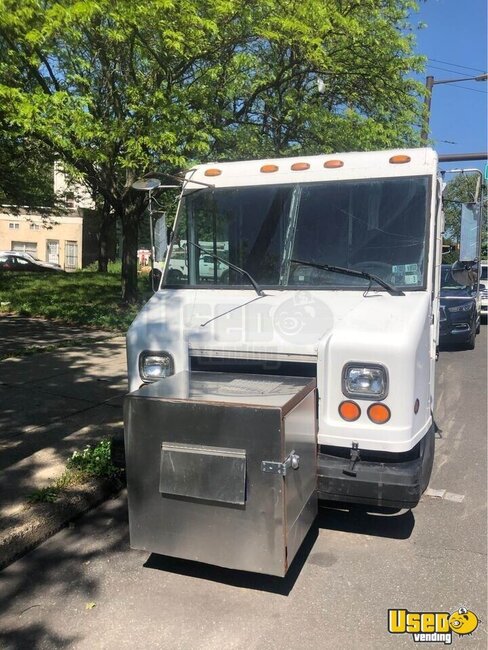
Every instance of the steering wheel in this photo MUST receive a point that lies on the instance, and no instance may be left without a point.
(301, 274)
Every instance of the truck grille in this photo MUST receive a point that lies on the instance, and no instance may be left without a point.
(254, 366)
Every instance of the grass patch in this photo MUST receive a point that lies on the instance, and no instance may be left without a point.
(52, 492)
(81, 298)
(92, 462)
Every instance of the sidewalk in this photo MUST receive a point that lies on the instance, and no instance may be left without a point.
(51, 404)
(19, 333)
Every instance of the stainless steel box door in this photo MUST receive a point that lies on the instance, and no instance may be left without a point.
(202, 472)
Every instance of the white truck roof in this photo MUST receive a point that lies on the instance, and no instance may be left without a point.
(304, 169)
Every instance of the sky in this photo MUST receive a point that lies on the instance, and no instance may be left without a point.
(455, 42)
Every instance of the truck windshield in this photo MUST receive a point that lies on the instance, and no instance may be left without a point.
(376, 225)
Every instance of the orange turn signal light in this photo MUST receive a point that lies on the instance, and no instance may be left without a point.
(349, 411)
(399, 159)
(379, 413)
(300, 166)
(268, 169)
(213, 172)
(333, 164)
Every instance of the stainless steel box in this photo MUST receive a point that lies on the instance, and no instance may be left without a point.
(221, 468)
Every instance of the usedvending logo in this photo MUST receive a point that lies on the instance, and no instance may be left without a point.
(429, 627)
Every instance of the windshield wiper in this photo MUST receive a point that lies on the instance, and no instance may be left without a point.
(256, 286)
(358, 274)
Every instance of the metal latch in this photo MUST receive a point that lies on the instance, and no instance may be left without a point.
(355, 458)
(293, 461)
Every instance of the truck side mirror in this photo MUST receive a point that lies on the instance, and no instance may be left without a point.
(160, 239)
(160, 247)
(464, 273)
(470, 233)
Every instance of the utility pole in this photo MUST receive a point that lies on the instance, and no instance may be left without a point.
(430, 82)
(460, 157)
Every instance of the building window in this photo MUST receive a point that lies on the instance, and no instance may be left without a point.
(35, 226)
(25, 247)
(69, 198)
(13, 226)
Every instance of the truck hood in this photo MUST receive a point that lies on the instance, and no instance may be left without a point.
(327, 328)
(287, 322)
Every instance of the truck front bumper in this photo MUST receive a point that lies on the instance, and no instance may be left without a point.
(397, 484)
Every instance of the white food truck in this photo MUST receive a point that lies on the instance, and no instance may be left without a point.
(328, 312)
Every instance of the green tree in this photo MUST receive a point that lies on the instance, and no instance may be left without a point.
(26, 172)
(117, 89)
(329, 76)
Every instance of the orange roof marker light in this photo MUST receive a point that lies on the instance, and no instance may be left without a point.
(333, 164)
(379, 413)
(268, 169)
(400, 159)
(349, 411)
(213, 172)
(300, 166)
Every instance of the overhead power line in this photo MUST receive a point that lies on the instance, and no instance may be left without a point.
(474, 90)
(456, 65)
(436, 67)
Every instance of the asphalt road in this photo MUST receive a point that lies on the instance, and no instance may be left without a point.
(85, 589)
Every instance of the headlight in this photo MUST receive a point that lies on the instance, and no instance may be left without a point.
(155, 365)
(465, 307)
(365, 381)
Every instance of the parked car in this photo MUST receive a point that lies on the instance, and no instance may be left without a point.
(30, 257)
(484, 289)
(207, 267)
(459, 315)
(18, 262)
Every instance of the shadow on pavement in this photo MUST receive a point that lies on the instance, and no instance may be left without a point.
(366, 520)
(53, 403)
(37, 591)
(34, 636)
(66, 572)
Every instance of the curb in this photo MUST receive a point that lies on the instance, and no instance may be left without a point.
(42, 520)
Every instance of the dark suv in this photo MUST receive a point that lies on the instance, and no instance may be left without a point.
(459, 315)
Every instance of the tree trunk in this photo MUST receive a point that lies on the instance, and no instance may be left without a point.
(104, 236)
(130, 237)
